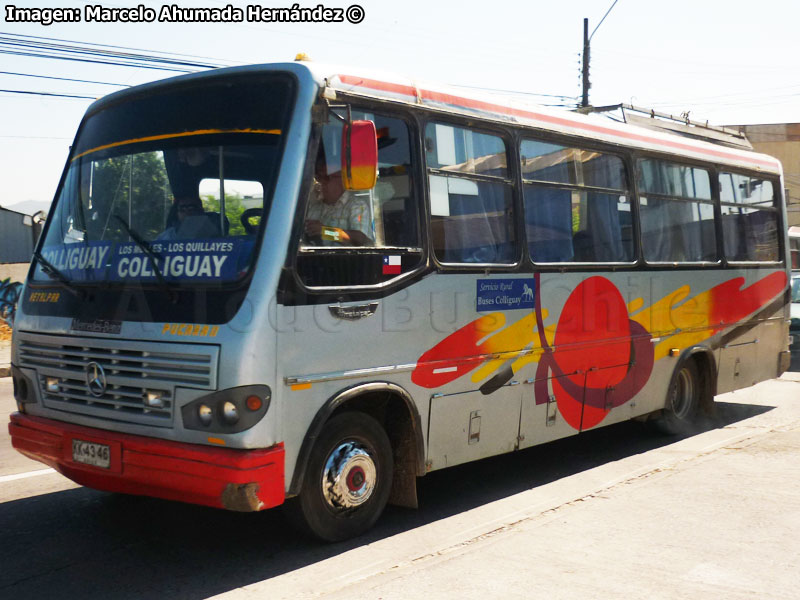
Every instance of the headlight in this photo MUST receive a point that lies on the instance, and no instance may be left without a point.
(205, 414)
(23, 388)
(228, 411)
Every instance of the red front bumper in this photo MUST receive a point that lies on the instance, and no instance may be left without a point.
(243, 480)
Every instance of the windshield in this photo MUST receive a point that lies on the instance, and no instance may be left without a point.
(170, 186)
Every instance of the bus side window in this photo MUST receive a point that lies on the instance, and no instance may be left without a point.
(472, 216)
(577, 206)
(361, 237)
(676, 212)
(749, 218)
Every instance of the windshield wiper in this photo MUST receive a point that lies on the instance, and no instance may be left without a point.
(144, 245)
(53, 273)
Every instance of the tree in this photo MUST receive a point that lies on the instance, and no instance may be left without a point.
(233, 211)
(133, 187)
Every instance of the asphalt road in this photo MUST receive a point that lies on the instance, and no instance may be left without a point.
(58, 540)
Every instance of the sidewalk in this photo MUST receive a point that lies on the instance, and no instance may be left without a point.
(5, 359)
(713, 516)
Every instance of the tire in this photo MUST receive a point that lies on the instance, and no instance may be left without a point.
(683, 401)
(347, 480)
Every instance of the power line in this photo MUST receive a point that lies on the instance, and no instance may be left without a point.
(80, 53)
(26, 49)
(49, 39)
(95, 61)
(82, 49)
(90, 52)
(39, 47)
(674, 60)
(34, 137)
(63, 78)
(49, 94)
(742, 96)
(487, 89)
(603, 19)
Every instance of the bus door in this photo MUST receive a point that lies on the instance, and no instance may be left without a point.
(475, 405)
(470, 425)
(544, 398)
(473, 227)
(602, 342)
(577, 212)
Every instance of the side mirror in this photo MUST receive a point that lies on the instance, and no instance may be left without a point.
(359, 155)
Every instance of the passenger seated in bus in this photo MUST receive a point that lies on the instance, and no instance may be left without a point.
(188, 220)
(336, 216)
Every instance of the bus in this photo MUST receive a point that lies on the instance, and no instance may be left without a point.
(794, 247)
(310, 285)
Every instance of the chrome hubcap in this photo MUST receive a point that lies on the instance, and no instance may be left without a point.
(349, 476)
(683, 395)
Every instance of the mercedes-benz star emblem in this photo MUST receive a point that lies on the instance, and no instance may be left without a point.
(95, 379)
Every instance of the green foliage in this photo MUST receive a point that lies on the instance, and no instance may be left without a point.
(576, 218)
(134, 187)
(233, 211)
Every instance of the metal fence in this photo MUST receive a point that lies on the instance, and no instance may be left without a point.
(18, 234)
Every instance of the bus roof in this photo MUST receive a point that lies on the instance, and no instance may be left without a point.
(495, 107)
(520, 112)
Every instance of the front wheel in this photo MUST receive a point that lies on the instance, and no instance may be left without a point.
(347, 480)
(683, 401)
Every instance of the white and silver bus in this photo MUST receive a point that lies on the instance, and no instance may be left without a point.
(794, 247)
(305, 284)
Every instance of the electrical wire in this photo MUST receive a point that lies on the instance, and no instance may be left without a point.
(78, 53)
(34, 137)
(49, 39)
(603, 19)
(83, 49)
(63, 78)
(48, 94)
(517, 92)
(96, 61)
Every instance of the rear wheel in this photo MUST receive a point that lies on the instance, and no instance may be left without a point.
(347, 480)
(683, 401)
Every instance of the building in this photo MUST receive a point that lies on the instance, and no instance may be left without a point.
(783, 142)
(18, 234)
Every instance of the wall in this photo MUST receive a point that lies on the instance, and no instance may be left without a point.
(783, 142)
(16, 238)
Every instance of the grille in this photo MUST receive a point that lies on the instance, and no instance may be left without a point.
(132, 370)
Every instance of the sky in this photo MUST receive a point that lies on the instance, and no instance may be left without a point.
(726, 62)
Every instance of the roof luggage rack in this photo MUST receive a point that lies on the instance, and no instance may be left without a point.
(681, 125)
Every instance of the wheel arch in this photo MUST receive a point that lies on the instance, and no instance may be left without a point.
(394, 408)
(706, 363)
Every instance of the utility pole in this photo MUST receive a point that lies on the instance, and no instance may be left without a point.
(586, 84)
(586, 42)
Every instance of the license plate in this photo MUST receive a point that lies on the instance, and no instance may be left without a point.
(89, 453)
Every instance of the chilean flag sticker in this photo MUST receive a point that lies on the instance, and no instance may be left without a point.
(391, 265)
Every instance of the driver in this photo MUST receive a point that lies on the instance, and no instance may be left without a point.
(184, 206)
(334, 214)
